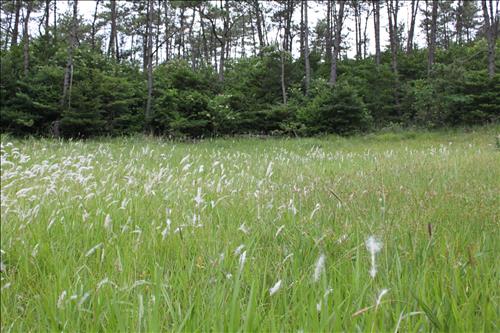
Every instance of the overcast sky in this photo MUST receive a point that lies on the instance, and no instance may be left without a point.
(316, 12)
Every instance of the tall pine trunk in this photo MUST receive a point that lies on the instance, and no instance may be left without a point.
(254, 41)
(7, 36)
(191, 40)
(338, 38)
(432, 37)
(47, 17)
(68, 73)
(258, 20)
(459, 21)
(328, 46)
(15, 30)
(204, 40)
(55, 21)
(306, 48)
(167, 32)
(26, 39)
(112, 37)
(411, 32)
(149, 23)
(180, 45)
(93, 28)
(376, 23)
(491, 27)
(357, 25)
(365, 36)
(392, 13)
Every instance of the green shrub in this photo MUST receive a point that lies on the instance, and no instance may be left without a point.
(336, 110)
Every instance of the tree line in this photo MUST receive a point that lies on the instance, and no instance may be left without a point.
(205, 68)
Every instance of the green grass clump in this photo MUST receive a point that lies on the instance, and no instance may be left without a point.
(142, 234)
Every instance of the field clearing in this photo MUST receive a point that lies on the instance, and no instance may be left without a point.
(387, 232)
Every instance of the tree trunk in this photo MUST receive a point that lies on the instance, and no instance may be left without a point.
(258, 14)
(117, 45)
(411, 32)
(306, 48)
(149, 114)
(432, 37)
(376, 23)
(286, 28)
(289, 7)
(224, 41)
(167, 32)
(26, 39)
(145, 51)
(328, 46)
(222, 59)
(55, 21)
(204, 39)
(180, 47)
(459, 21)
(426, 24)
(392, 13)
(254, 41)
(338, 38)
(243, 36)
(264, 28)
(191, 40)
(69, 65)
(446, 37)
(112, 37)
(47, 17)
(145, 41)
(491, 26)
(301, 41)
(357, 29)
(7, 36)
(283, 84)
(365, 36)
(213, 49)
(157, 36)
(15, 31)
(132, 47)
(93, 32)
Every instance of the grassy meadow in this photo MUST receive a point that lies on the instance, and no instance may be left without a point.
(381, 233)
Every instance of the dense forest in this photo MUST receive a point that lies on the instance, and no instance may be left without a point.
(209, 68)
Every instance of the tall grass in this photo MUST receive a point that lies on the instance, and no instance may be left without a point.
(250, 235)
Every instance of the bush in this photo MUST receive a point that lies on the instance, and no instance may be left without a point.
(224, 117)
(453, 97)
(336, 110)
(182, 104)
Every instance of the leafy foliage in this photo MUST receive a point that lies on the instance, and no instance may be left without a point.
(108, 97)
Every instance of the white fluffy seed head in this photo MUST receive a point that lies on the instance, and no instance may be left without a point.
(320, 267)
(373, 245)
(274, 289)
(280, 229)
(83, 299)
(380, 295)
(108, 222)
(102, 283)
(60, 300)
(92, 250)
(244, 229)
(269, 171)
(198, 198)
(239, 249)
(243, 258)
